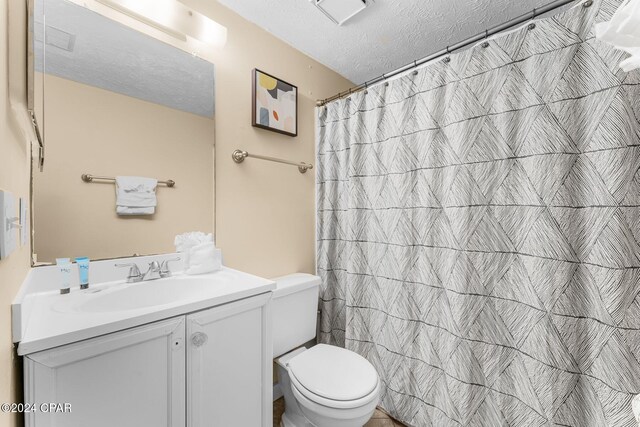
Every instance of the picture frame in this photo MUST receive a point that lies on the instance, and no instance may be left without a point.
(274, 104)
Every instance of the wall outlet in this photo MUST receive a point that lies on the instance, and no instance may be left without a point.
(9, 223)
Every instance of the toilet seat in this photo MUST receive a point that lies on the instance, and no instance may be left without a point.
(334, 377)
(303, 394)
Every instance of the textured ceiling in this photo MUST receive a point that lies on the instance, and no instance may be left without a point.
(385, 36)
(89, 48)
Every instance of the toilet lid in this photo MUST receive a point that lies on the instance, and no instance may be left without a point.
(334, 373)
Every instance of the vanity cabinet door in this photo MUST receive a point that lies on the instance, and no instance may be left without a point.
(133, 378)
(229, 369)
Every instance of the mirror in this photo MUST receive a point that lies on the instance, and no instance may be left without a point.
(117, 102)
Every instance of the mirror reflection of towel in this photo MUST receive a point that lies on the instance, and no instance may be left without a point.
(136, 195)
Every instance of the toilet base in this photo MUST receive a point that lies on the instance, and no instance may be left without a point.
(292, 416)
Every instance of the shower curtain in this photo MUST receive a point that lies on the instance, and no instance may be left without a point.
(479, 228)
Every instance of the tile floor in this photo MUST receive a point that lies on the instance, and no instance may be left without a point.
(379, 419)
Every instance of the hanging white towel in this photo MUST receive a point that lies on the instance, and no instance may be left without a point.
(136, 195)
(623, 32)
(125, 210)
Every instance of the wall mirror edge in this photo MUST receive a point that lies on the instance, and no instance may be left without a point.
(169, 199)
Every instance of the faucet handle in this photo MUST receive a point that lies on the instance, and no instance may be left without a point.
(134, 272)
(164, 267)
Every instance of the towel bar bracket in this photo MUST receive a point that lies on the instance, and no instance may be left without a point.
(238, 156)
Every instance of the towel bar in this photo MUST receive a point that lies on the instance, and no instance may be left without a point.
(238, 156)
(89, 178)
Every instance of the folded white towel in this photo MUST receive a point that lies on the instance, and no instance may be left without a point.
(204, 258)
(136, 195)
(184, 242)
(623, 33)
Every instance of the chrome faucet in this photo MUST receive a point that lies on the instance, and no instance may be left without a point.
(155, 271)
(165, 271)
(134, 275)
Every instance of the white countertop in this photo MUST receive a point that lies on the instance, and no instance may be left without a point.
(53, 322)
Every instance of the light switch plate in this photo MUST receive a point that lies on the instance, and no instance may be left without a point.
(8, 234)
(24, 221)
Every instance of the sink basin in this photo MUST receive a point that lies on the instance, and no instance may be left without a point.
(141, 295)
(48, 319)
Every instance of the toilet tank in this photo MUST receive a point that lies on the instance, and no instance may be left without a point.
(294, 311)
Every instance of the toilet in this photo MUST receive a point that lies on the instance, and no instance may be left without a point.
(323, 386)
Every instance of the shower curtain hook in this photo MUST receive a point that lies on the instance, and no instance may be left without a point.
(448, 57)
(366, 88)
(486, 38)
(532, 25)
(415, 65)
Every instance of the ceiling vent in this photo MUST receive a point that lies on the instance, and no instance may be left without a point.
(340, 11)
(60, 39)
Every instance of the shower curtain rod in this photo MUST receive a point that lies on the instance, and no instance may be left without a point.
(484, 35)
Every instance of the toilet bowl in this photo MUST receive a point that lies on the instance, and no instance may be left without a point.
(327, 386)
(323, 386)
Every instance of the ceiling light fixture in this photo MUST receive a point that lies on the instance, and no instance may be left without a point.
(172, 18)
(340, 11)
(140, 17)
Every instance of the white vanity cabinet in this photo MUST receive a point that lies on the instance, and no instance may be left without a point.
(208, 368)
(229, 365)
(130, 378)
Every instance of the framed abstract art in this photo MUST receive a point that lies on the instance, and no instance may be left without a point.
(275, 104)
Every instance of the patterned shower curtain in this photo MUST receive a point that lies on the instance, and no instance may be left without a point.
(479, 229)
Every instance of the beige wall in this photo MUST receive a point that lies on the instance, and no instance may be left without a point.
(14, 177)
(90, 130)
(265, 212)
